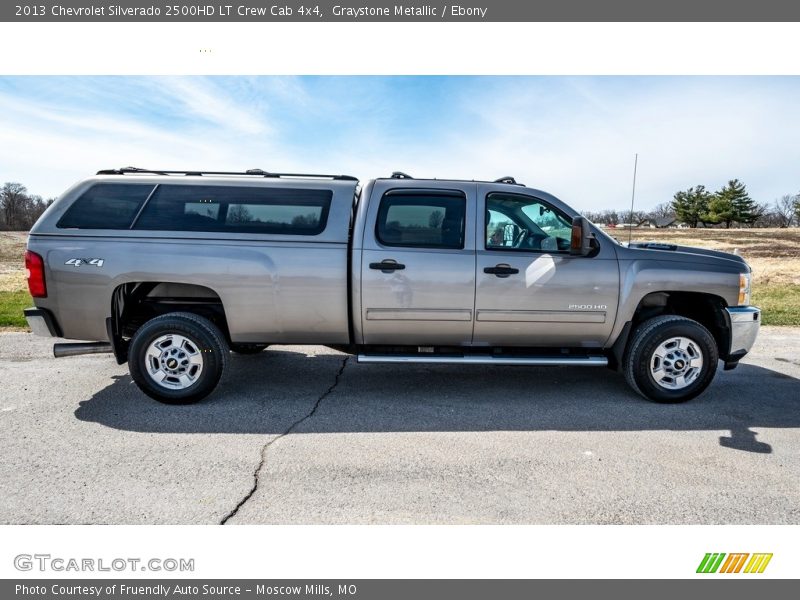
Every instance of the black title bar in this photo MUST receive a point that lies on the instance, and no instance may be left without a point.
(414, 10)
(388, 589)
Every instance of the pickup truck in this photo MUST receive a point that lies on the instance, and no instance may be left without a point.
(173, 270)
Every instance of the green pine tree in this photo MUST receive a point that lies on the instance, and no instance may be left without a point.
(744, 209)
(690, 205)
(720, 210)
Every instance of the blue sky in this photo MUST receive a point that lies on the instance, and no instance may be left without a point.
(572, 136)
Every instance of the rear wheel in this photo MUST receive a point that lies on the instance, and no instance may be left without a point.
(670, 359)
(177, 358)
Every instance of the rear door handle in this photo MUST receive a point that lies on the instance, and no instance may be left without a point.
(387, 265)
(501, 270)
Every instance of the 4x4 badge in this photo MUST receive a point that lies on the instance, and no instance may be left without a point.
(77, 262)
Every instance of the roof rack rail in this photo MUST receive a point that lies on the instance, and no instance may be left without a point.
(250, 172)
(508, 179)
(124, 170)
(401, 175)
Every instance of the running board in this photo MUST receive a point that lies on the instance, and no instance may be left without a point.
(76, 349)
(487, 359)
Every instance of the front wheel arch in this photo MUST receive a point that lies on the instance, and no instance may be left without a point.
(706, 309)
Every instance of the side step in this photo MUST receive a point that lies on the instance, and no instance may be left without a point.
(487, 359)
(74, 349)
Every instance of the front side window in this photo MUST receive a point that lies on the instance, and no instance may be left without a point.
(106, 206)
(516, 222)
(419, 220)
(236, 209)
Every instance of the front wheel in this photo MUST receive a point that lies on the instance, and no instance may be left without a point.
(177, 358)
(670, 359)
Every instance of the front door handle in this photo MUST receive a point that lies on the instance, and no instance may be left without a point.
(501, 270)
(387, 265)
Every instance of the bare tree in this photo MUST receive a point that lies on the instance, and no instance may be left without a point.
(309, 220)
(435, 220)
(637, 217)
(663, 211)
(593, 216)
(609, 217)
(767, 217)
(238, 213)
(784, 210)
(797, 209)
(13, 197)
(19, 210)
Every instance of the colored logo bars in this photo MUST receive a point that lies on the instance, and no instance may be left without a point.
(713, 563)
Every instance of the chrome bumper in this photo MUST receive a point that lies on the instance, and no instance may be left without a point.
(745, 322)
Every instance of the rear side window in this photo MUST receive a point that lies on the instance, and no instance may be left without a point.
(421, 220)
(106, 206)
(236, 209)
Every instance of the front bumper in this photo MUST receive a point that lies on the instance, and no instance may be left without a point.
(745, 322)
(42, 322)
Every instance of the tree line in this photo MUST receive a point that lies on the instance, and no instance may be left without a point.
(698, 206)
(19, 210)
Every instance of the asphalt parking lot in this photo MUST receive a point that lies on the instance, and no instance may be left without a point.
(306, 435)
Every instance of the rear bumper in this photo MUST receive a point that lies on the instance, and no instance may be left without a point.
(745, 322)
(42, 322)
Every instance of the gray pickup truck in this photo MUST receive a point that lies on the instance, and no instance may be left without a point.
(173, 270)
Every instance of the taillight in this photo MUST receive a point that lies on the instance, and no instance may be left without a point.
(34, 271)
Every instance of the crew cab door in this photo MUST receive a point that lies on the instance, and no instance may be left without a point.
(417, 284)
(530, 291)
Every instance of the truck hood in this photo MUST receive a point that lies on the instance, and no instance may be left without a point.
(660, 251)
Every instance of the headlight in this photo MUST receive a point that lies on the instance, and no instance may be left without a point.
(744, 289)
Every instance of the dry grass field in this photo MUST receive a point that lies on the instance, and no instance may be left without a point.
(12, 250)
(774, 255)
(13, 290)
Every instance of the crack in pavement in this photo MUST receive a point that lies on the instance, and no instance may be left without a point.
(290, 429)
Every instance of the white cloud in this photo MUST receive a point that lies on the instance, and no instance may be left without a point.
(577, 139)
(212, 104)
(48, 145)
(578, 142)
(686, 132)
(574, 137)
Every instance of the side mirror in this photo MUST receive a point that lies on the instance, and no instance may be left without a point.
(582, 237)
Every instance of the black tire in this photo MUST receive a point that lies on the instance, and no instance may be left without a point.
(647, 337)
(248, 348)
(207, 341)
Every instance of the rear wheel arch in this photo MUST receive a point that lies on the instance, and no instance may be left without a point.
(136, 302)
